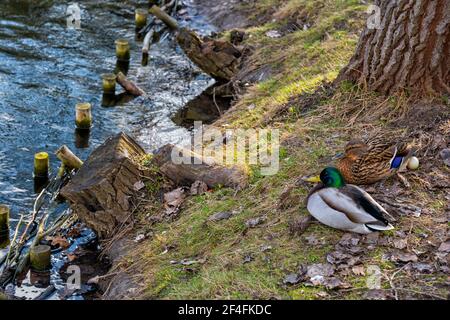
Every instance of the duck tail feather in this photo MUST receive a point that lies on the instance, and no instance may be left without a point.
(378, 227)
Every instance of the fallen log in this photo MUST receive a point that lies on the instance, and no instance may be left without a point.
(198, 168)
(219, 59)
(101, 191)
(164, 17)
(129, 86)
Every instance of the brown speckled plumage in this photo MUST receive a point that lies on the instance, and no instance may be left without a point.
(370, 161)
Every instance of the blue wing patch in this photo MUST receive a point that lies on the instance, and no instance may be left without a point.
(396, 162)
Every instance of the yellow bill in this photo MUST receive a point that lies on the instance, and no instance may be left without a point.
(314, 179)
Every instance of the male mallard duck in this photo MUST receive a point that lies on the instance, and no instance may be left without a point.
(372, 161)
(345, 206)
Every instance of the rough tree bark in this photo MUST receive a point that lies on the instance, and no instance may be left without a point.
(409, 51)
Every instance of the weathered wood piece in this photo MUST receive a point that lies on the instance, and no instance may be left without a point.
(198, 168)
(219, 59)
(129, 86)
(68, 158)
(4, 226)
(146, 47)
(101, 191)
(164, 17)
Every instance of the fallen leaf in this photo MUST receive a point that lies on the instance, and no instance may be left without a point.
(220, 216)
(75, 231)
(59, 241)
(335, 283)
(445, 155)
(400, 243)
(320, 269)
(199, 188)
(187, 262)
(248, 258)
(292, 279)
(377, 294)
(93, 280)
(298, 226)
(313, 240)
(371, 238)
(317, 280)
(356, 249)
(139, 238)
(175, 197)
(322, 294)
(422, 267)
(337, 257)
(173, 201)
(445, 246)
(404, 257)
(252, 223)
(138, 185)
(359, 270)
(273, 34)
(349, 239)
(71, 257)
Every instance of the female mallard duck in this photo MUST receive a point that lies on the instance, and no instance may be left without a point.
(372, 161)
(344, 206)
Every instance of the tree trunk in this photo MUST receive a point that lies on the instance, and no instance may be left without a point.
(409, 50)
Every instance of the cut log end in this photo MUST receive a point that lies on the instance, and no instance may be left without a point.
(68, 158)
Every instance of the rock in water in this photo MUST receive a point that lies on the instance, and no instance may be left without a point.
(101, 191)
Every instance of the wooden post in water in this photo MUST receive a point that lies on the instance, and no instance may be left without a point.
(4, 226)
(141, 20)
(68, 158)
(122, 50)
(41, 165)
(83, 116)
(123, 56)
(40, 257)
(146, 47)
(109, 83)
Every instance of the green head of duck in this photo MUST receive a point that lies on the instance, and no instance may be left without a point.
(332, 177)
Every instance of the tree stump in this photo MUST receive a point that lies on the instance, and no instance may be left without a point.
(101, 191)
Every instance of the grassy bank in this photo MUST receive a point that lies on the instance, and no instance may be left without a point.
(229, 260)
